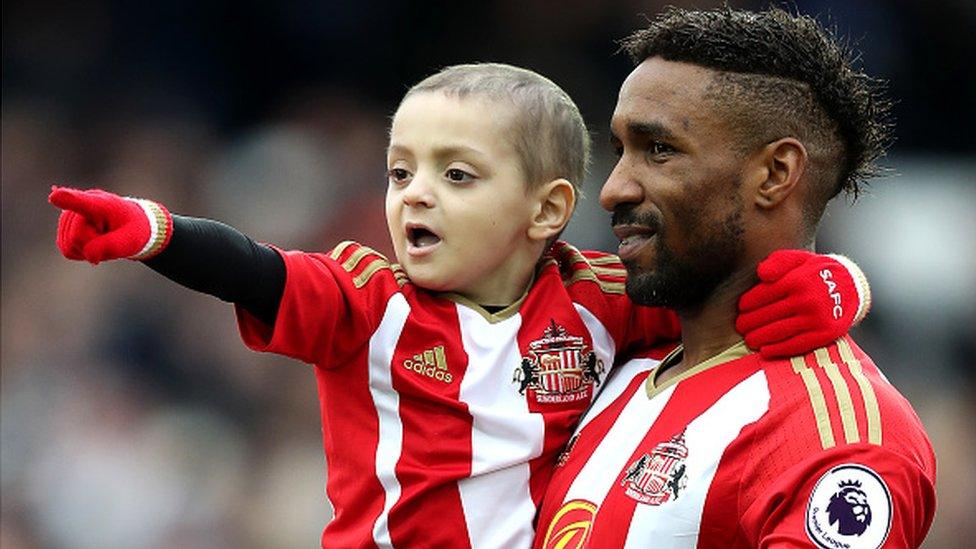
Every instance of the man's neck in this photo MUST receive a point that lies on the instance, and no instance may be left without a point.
(710, 329)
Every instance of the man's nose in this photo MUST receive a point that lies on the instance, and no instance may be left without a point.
(622, 187)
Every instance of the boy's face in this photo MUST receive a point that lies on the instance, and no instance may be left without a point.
(457, 204)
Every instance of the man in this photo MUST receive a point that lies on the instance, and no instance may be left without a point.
(733, 132)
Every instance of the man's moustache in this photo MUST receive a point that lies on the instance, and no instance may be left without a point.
(628, 215)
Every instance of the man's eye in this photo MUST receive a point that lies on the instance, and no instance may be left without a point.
(618, 150)
(397, 175)
(658, 148)
(458, 176)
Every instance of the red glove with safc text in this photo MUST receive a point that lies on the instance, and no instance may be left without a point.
(96, 225)
(803, 301)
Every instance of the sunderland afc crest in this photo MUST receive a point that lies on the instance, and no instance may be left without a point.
(558, 368)
(658, 477)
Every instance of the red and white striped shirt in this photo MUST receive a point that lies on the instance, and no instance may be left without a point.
(441, 422)
(814, 451)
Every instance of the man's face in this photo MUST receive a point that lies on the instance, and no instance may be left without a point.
(675, 191)
(456, 204)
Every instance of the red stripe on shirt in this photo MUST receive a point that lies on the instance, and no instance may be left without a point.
(690, 399)
(350, 434)
(560, 419)
(431, 413)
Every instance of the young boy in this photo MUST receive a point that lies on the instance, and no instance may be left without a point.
(448, 382)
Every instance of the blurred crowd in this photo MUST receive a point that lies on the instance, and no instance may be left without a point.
(131, 415)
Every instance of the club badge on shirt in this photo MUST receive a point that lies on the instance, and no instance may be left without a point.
(850, 506)
(559, 367)
(658, 477)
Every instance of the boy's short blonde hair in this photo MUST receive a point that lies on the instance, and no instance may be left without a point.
(550, 136)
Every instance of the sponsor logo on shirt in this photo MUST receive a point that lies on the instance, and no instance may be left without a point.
(571, 526)
(658, 477)
(431, 363)
(558, 368)
(849, 507)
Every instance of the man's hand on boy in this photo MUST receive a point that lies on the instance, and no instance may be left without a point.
(803, 301)
(96, 225)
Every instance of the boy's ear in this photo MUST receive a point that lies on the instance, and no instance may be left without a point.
(555, 202)
(781, 165)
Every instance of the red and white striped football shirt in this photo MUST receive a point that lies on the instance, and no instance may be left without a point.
(442, 422)
(815, 451)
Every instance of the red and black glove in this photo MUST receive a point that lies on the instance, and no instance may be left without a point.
(803, 301)
(96, 225)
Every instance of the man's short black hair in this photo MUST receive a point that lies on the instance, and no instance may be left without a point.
(781, 75)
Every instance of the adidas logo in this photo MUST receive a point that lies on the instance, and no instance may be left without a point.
(431, 363)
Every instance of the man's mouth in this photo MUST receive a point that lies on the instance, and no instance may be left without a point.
(633, 240)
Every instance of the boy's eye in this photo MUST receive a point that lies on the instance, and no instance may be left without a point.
(397, 175)
(458, 176)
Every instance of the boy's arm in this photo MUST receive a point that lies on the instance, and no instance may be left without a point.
(802, 301)
(201, 254)
(216, 259)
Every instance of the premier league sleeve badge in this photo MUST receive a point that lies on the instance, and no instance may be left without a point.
(850, 506)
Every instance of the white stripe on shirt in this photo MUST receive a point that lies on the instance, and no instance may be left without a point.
(675, 524)
(614, 452)
(505, 436)
(387, 402)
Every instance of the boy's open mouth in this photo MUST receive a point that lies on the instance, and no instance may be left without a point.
(421, 237)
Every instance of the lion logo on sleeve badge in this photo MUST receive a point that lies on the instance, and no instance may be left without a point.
(850, 506)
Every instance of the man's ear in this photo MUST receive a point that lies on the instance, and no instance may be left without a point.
(555, 202)
(783, 161)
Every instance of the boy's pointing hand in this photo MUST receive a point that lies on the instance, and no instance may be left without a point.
(97, 225)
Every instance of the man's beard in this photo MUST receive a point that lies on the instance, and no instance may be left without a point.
(685, 282)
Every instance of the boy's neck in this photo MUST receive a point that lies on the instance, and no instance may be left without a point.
(502, 292)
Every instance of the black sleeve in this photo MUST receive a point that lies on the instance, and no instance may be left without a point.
(216, 259)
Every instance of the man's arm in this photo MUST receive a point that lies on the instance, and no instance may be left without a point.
(203, 255)
(859, 495)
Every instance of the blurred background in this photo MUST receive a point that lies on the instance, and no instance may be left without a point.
(132, 416)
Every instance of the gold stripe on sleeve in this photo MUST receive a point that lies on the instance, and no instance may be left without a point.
(609, 271)
(586, 274)
(843, 394)
(353, 260)
(594, 267)
(867, 391)
(362, 278)
(399, 274)
(816, 401)
(604, 260)
(338, 250)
